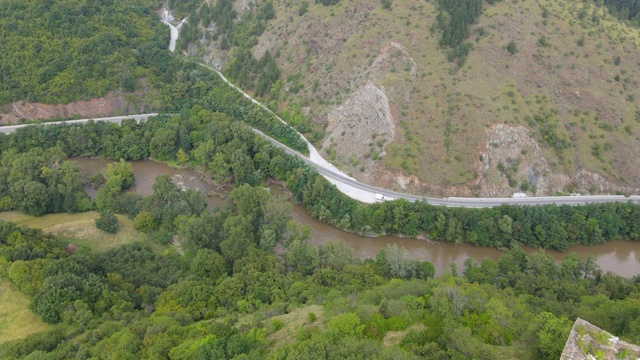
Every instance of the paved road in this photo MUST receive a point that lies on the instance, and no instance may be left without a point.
(114, 119)
(388, 194)
(460, 202)
(332, 173)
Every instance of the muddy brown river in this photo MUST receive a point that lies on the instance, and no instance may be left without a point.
(620, 257)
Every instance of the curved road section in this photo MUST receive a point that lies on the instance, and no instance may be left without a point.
(370, 194)
(337, 178)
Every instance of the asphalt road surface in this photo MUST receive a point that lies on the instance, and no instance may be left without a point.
(460, 202)
(114, 119)
(388, 194)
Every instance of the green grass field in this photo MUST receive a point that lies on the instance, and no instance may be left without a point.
(79, 229)
(16, 320)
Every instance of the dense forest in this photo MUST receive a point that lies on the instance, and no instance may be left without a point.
(456, 17)
(62, 51)
(238, 34)
(625, 9)
(454, 20)
(229, 296)
(243, 302)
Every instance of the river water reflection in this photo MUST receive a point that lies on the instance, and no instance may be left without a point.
(620, 257)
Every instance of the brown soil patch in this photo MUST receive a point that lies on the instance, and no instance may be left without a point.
(109, 105)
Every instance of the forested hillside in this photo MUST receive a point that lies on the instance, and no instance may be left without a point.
(62, 51)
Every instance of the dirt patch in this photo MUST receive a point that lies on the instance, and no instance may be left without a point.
(399, 181)
(387, 58)
(109, 105)
(393, 338)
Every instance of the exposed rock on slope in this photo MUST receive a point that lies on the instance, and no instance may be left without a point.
(514, 162)
(105, 106)
(359, 128)
(568, 91)
(441, 113)
(587, 341)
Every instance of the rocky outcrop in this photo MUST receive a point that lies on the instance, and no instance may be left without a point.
(513, 161)
(587, 341)
(360, 126)
(105, 106)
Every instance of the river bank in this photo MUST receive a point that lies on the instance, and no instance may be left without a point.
(620, 257)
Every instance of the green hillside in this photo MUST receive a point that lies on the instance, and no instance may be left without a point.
(61, 51)
(444, 98)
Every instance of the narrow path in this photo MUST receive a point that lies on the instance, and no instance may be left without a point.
(314, 155)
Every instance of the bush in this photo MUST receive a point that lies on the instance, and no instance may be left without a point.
(311, 317)
(6, 203)
(276, 324)
(542, 41)
(512, 48)
(107, 222)
(145, 222)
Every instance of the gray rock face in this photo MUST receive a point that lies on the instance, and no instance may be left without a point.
(359, 122)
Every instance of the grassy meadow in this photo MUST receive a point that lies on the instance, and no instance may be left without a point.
(79, 228)
(16, 320)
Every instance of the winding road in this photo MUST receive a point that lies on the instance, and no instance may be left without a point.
(334, 177)
(366, 193)
(346, 184)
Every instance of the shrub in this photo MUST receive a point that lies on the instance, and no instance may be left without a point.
(542, 41)
(145, 222)
(276, 324)
(312, 317)
(6, 203)
(107, 222)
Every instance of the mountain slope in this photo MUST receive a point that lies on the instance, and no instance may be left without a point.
(85, 57)
(544, 103)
